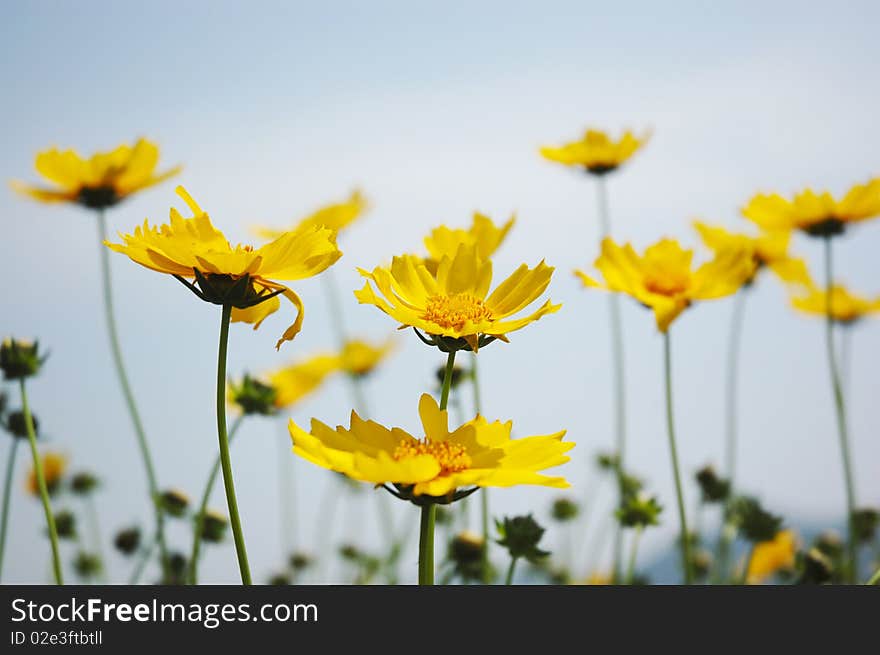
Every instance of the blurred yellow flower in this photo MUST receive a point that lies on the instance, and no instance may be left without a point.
(817, 214)
(597, 578)
(477, 454)
(664, 280)
(456, 303)
(596, 151)
(240, 276)
(846, 307)
(100, 181)
(336, 216)
(769, 249)
(483, 235)
(292, 383)
(54, 467)
(769, 557)
(359, 357)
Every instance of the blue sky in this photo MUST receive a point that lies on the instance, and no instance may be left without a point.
(434, 111)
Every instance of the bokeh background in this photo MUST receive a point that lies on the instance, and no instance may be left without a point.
(435, 110)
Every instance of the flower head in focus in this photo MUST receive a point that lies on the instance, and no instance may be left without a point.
(102, 180)
(455, 307)
(54, 467)
(483, 235)
(241, 276)
(769, 250)
(770, 557)
(816, 213)
(439, 467)
(336, 217)
(596, 151)
(664, 278)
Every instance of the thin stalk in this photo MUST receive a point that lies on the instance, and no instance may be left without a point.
(142, 561)
(116, 351)
(41, 485)
(429, 511)
(7, 488)
(619, 381)
(509, 579)
(840, 408)
(874, 579)
(95, 528)
(203, 506)
(673, 453)
(484, 492)
(633, 553)
(732, 389)
(225, 462)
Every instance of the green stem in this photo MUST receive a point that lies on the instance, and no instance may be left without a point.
(670, 427)
(633, 553)
(116, 351)
(41, 484)
(619, 383)
(731, 405)
(225, 461)
(840, 407)
(484, 492)
(142, 561)
(429, 511)
(509, 579)
(874, 579)
(203, 507)
(7, 487)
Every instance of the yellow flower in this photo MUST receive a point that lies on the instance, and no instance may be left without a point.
(240, 276)
(664, 279)
(769, 250)
(455, 306)
(359, 357)
(769, 557)
(483, 235)
(596, 151)
(477, 454)
(598, 578)
(846, 307)
(336, 217)
(817, 214)
(293, 383)
(100, 181)
(54, 466)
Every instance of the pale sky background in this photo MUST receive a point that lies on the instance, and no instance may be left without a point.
(434, 111)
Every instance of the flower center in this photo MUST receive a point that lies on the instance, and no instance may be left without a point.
(455, 310)
(451, 457)
(666, 283)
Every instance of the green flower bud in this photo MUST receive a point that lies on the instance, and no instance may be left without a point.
(128, 540)
(65, 524)
(520, 536)
(564, 509)
(458, 374)
(865, 521)
(174, 502)
(83, 483)
(639, 510)
(350, 552)
(442, 516)
(254, 396)
(213, 527)
(817, 568)
(608, 461)
(630, 485)
(17, 426)
(300, 561)
(20, 359)
(280, 580)
(714, 488)
(830, 544)
(754, 522)
(465, 551)
(176, 566)
(87, 565)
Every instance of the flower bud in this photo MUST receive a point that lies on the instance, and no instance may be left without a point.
(128, 540)
(254, 396)
(17, 426)
(350, 552)
(830, 544)
(564, 509)
(442, 516)
(520, 536)
(458, 374)
(87, 565)
(300, 561)
(213, 527)
(465, 551)
(20, 359)
(817, 568)
(65, 524)
(865, 521)
(174, 502)
(83, 483)
(608, 461)
(714, 488)
(639, 510)
(280, 580)
(755, 523)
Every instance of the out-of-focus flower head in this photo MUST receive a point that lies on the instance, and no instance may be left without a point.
(770, 557)
(336, 216)
(54, 468)
(483, 235)
(597, 152)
